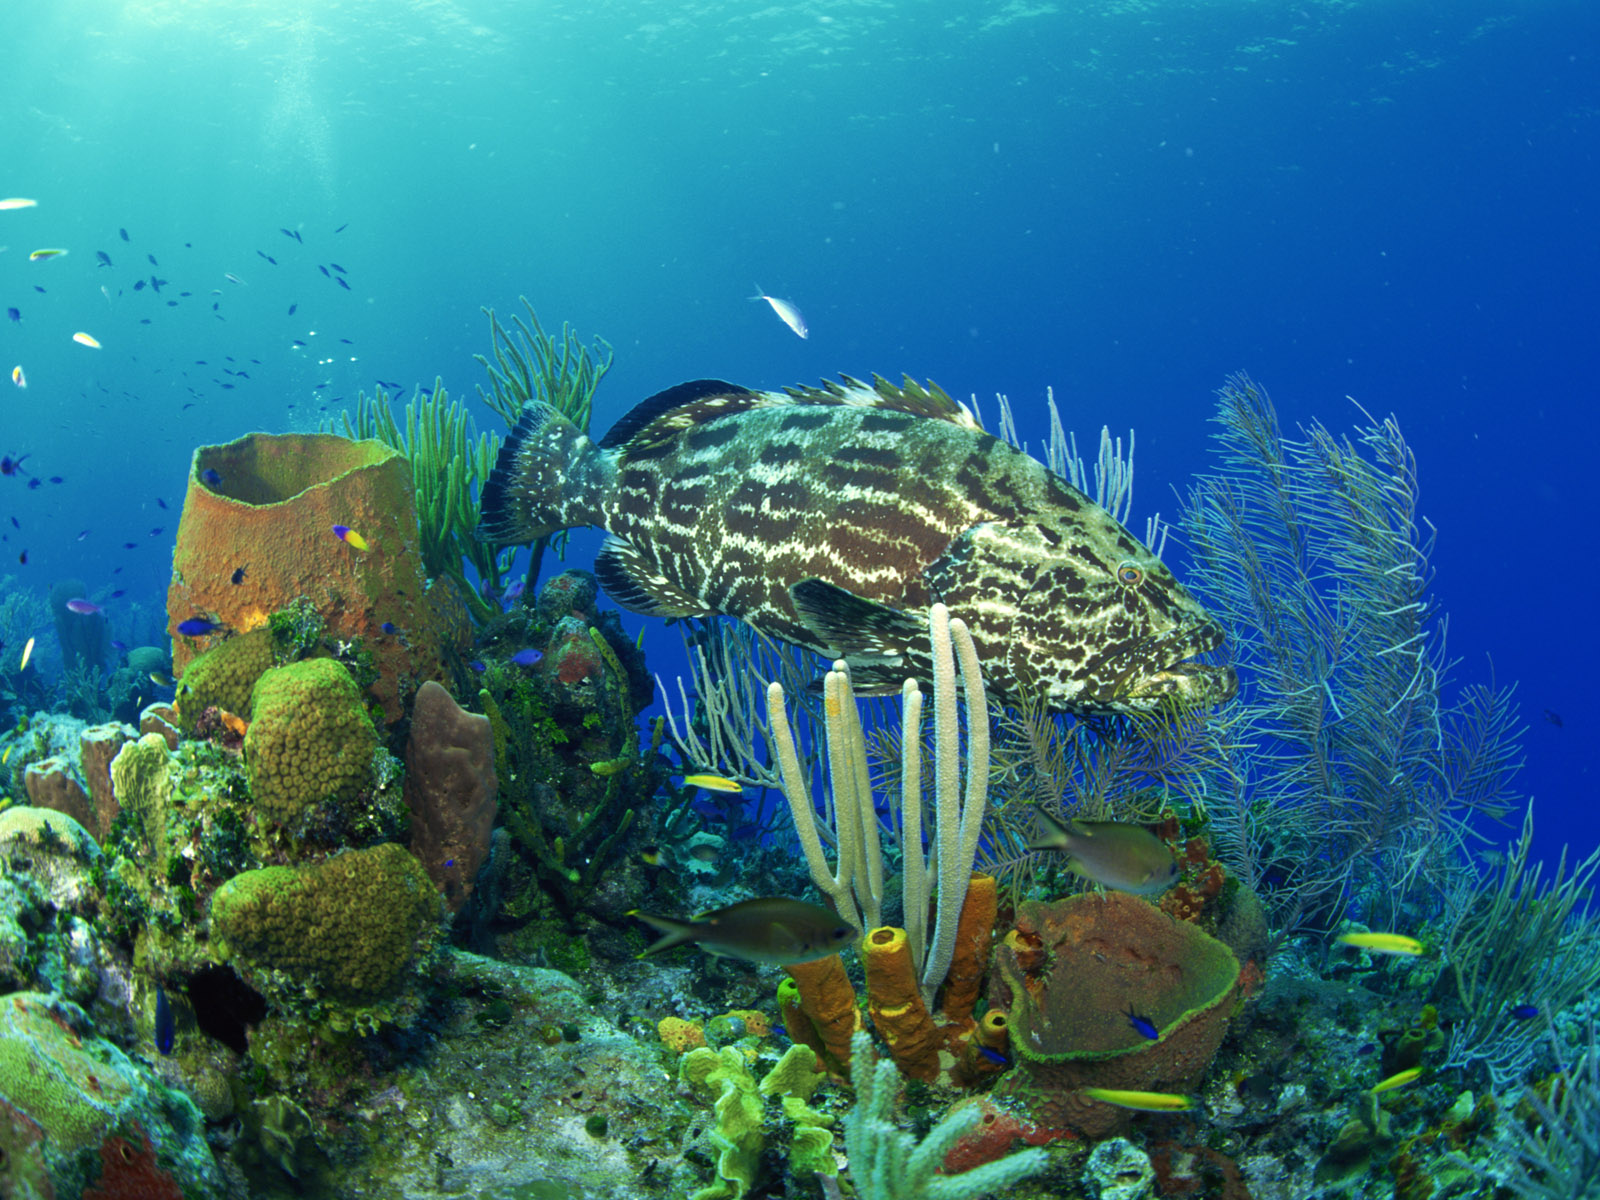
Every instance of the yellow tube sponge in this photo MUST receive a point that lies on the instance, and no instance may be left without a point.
(829, 1003)
(895, 1002)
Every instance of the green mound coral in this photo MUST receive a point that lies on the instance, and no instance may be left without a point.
(223, 677)
(67, 1098)
(310, 739)
(346, 926)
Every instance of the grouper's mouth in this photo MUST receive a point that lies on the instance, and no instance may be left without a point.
(1168, 667)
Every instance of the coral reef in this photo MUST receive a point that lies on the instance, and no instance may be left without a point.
(81, 1117)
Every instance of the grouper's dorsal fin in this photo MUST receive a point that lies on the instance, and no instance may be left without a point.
(909, 397)
(692, 397)
(689, 404)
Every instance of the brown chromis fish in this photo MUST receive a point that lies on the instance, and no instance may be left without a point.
(1123, 857)
(770, 929)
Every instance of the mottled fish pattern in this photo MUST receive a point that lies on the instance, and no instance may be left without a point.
(832, 517)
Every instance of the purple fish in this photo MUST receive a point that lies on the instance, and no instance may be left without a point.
(197, 627)
(119, 647)
(85, 607)
(477, 665)
(527, 658)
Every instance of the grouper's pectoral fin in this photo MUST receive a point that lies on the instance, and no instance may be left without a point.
(637, 584)
(872, 637)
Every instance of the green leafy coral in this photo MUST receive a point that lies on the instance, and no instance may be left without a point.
(738, 1134)
(346, 927)
(310, 739)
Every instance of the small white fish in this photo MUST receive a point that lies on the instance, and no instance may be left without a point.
(13, 202)
(86, 339)
(232, 278)
(787, 313)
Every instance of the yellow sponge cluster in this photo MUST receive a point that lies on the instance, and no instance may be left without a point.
(310, 738)
(223, 677)
(345, 927)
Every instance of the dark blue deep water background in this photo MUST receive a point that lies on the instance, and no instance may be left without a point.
(1384, 200)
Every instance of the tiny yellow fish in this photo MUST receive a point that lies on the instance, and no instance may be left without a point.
(1398, 1080)
(17, 377)
(349, 536)
(11, 202)
(38, 254)
(1143, 1101)
(84, 339)
(6, 757)
(27, 653)
(713, 783)
(1383, 943)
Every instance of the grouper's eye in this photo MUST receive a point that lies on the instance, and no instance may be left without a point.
(1130, 573)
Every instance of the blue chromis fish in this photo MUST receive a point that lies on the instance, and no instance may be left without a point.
(1123, 857)
(771, 929)
(197, 627)
(1397, 944)
(350, 537)
(210, 477)
(1524, 1012)
(526, 658)
(1143, 1026)
(787, 313)
(166, 1028)
(832, 517)
(1142, 1101)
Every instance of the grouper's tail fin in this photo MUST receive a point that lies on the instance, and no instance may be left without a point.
(549, 476)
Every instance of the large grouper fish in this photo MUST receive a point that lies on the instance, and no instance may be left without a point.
(832, 517)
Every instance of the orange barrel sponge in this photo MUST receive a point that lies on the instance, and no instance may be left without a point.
(974, 934)
(895, 1002)
(829, 1003)
(257, 533)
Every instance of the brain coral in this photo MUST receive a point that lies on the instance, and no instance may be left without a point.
(310, 738)
(223, 677)
(347, 925)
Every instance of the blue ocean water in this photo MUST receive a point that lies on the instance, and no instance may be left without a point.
(1390, 203)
